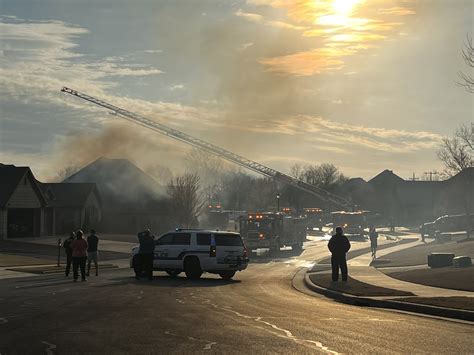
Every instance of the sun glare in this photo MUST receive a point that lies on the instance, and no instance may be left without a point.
(343, 7)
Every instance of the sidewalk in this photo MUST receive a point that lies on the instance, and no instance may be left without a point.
(35, 256)
(387, 287)
(104, 244)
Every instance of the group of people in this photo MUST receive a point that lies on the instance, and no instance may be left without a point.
(339, 245)
(80, 251)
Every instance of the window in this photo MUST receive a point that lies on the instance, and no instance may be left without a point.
(165, 240)
(181, 239)
(203, 239)
(228, 239)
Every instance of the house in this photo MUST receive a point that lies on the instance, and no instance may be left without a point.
(70, 206)
(413, 202)
(30, 208)
(131, 200)
(22, 203)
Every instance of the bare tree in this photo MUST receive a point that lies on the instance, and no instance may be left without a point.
(297, 171)
(186, 200)
(467, 80)
(457, 152)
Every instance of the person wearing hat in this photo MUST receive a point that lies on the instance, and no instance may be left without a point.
(338, 246)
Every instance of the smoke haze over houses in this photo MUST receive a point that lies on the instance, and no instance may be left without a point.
(276, 83)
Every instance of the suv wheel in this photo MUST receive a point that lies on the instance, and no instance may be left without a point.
(192, 268)
(173, 272)
(227, 274)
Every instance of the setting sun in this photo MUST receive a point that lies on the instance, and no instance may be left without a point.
(344, 7)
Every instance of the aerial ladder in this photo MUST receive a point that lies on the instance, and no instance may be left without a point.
(322, 194)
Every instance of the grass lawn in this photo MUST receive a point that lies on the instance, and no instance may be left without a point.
(354, 287)
(445, 277)
(419, 255)
(355, 253)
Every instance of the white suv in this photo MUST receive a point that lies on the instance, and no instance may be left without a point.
(196, 251)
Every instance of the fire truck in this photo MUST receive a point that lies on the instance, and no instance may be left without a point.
(353, 223)
(314, 218)
(216, 217)
(272, 230)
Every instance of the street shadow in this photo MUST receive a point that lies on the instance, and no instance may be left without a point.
(280, 256)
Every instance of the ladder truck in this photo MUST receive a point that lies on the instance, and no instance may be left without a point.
(322, 194)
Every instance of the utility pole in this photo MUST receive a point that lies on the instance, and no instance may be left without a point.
(413, 178)
(431, 174)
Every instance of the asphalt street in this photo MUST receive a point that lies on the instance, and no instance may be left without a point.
(257, 312)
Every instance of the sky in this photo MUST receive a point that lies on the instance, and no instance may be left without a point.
(366, 85)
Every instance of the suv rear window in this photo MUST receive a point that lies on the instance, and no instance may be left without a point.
(203, 239)
(228, 239)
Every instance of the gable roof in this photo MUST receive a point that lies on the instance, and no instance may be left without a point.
(10, 178)
(386, 177)
(119, 182)
(69, 194)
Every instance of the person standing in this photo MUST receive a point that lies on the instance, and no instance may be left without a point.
(373, 236)
(338, 246)
(68, 249)
(146, 252)
(92, 252)
(79, 256)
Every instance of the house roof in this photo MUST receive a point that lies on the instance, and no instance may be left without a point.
(10, 177)
(386, 177)
(69, 194)
(120, 183)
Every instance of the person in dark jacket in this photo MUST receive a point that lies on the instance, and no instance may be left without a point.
(68, 249)
(146, 252)
(338, 246)
(92, 252)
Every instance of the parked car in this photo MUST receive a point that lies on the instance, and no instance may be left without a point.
(197, 251)
(448, 223)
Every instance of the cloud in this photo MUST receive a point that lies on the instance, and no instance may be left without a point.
(399, 11)
(251, 17)
(40, 57)
(153, 51)
(381, 139)
(257, 18)
(346, 26)
(308, 62)
(177, 87)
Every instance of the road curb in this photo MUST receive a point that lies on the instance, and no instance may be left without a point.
(402, 306)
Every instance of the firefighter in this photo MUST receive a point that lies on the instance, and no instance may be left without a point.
(338, 246)
(146, 252)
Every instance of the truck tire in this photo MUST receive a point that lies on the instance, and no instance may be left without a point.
(297, 247)
(275, 247)
(192, 268)
(227, 274)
